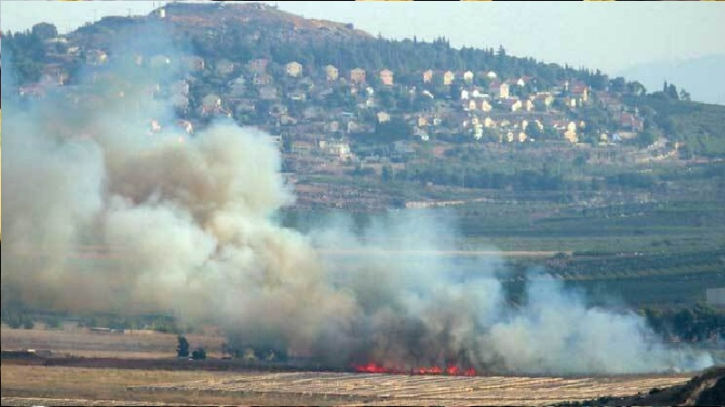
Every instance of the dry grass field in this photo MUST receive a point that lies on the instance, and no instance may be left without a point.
(75, 386)
(27, 385)
(83, 342)
(375, 389)
(35, 384)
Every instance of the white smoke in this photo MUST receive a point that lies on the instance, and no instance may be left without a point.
(195, 222)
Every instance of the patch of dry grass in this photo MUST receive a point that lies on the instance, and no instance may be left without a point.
(82, 342)
(434, 390)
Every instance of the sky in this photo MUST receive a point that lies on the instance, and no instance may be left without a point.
(611, 36)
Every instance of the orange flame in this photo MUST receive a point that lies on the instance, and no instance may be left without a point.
(451, 370)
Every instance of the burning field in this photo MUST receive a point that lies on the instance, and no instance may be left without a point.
(198, 223)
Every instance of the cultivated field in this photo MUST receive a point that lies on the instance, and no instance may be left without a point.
(26, 385)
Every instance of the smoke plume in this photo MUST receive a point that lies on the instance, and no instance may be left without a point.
(191, 222)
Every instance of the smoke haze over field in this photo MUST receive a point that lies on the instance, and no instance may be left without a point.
(195, 219)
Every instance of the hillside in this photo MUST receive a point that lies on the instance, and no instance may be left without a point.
(341, 102)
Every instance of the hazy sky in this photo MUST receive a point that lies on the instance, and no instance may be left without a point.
(606, 35)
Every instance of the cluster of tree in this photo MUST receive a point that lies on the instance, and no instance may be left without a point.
(698, 125)
(28, 51)
(183, 350)
(17, 319)
(698, 323)
(669, 91)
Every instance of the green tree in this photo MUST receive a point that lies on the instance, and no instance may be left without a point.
(672, 92)
(182, 349)
(533, 131)
(685, 95)
(27, 322)
(44, 31)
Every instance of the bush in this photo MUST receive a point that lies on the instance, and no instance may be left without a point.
(27, 322)
(198, 354)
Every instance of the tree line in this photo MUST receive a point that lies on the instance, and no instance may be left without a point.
(694, 324)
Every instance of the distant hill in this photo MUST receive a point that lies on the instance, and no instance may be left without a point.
(246, 49)
(694, 75)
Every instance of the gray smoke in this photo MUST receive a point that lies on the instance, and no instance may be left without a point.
(193, 219)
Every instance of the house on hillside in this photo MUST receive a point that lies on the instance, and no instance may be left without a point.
(486, 106)
(570, 133)
(468, 77)
(293, 69)
(331, 73)
(383, 117)
(448, 78)
(630, 122)
(428, 76)
(386, 77)
(471, 105)
(357, 76)
(499, 89)
(581, 93)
